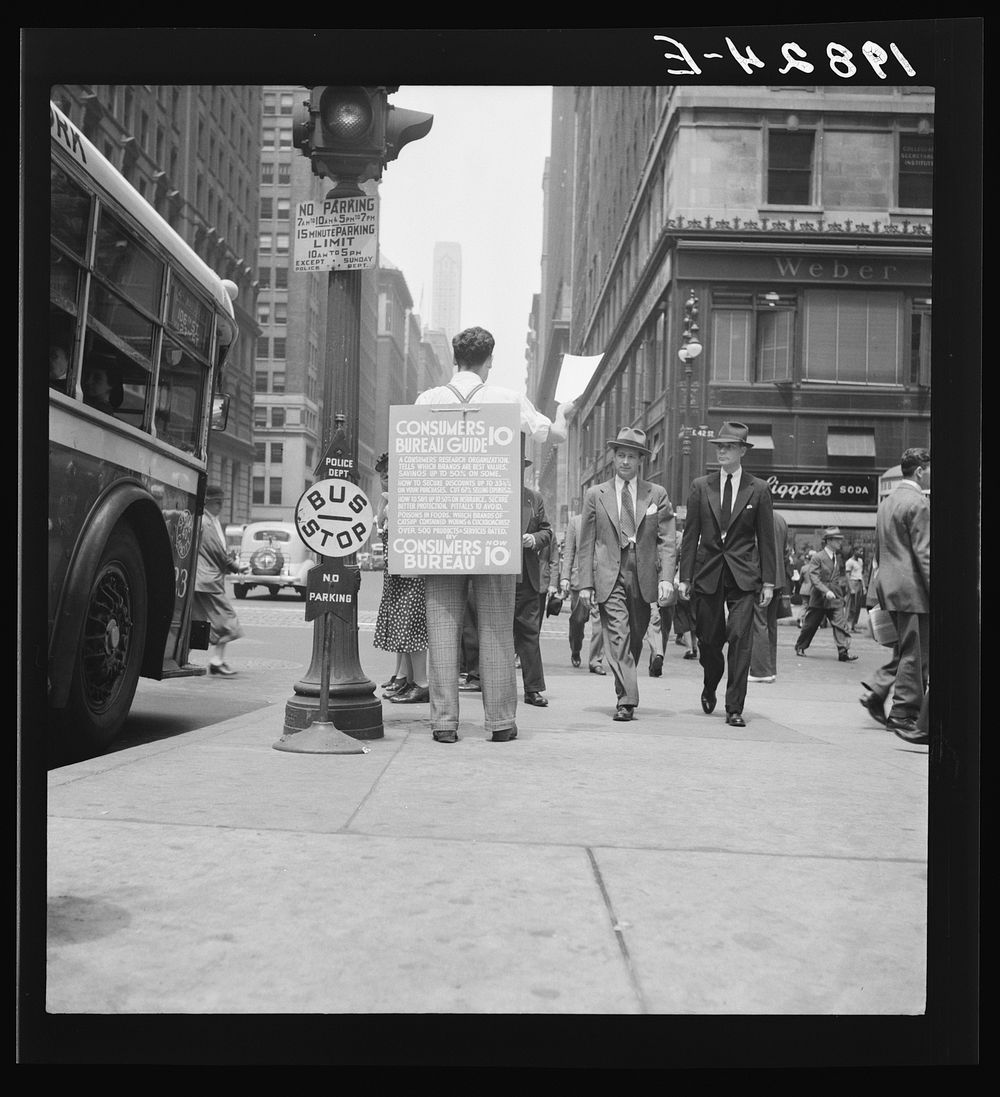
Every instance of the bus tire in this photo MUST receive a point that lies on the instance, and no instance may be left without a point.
(109, 657)
(240, 589)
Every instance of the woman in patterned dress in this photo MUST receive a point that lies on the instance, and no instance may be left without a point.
(401, 625)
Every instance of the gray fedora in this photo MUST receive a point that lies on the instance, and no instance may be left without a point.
(629, 438)
(732, 432)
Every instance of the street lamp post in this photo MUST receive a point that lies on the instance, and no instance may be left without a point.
(689, 351)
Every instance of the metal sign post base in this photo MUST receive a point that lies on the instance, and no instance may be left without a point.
(320, 738)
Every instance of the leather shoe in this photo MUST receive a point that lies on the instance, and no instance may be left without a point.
(800, 652)
(445, 736)
(597, 669)
(221, 668)
(395, 686)
(907, 729)
(504, 736)
(656, 666)
(470, 685)
(690, 655)
(623, 712)
(575, 660)
(414, 695)
(735, 720)
(708, 701)
(875, 706)
(535, 698)
(847, 657)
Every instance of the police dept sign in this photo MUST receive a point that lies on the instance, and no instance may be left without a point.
(455, 479)
(334, 517)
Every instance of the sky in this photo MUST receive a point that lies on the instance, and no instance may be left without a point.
(475, 179)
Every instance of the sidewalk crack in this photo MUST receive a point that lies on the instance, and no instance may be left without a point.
(617, 928)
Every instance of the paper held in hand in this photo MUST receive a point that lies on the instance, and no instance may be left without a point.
(575, 375)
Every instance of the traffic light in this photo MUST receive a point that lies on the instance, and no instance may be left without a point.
(352, 132)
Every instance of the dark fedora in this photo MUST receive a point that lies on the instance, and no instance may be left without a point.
(629, 438)
(733, 432)
(213, 491)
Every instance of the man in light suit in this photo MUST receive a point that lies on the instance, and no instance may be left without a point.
(827, 597)
(627, 560)
(901, 583)
(728, 556)
(569, 582)
(536, 540)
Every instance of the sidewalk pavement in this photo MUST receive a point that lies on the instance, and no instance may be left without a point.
(672, 865)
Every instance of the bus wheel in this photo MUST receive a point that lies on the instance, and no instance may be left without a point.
(111, 647)
(240, 590)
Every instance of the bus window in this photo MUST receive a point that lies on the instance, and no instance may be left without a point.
(102, 383)
(60, 350)
(127, 265)
(70, 212)
(180, 397)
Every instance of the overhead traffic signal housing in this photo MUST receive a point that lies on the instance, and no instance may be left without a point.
(352, 132)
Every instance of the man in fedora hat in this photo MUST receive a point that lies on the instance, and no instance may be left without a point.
(536, 539)
(827, 597)
(728, 560)
(627, 560)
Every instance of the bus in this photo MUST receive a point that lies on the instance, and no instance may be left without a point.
(139, 331)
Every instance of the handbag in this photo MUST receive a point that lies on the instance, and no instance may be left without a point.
(554, 604)
(882, 626)
(784, 607)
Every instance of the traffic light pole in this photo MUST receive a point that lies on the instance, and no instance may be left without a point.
(352, 706)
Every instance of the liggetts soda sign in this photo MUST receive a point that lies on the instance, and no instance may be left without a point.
(827, 489)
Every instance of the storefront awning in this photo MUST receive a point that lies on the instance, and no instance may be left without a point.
(817, 519)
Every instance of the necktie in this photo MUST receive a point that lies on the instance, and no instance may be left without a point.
(628, 516)
(727, 500)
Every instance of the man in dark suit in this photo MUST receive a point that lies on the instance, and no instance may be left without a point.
(536, 540)
(728, 557)
(901, 583)
(627, 560)
(569, 582)
(827, 597)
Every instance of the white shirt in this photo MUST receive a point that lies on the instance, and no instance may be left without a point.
(629, 486)
(533, 423)
(855, 568)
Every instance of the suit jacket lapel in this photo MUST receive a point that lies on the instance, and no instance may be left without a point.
(746, 487)
(715, 498)
(642, 495)
(610, 502)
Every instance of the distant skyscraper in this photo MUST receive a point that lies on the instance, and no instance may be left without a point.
(446, 291)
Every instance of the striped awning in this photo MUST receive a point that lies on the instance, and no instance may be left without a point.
(817, 519)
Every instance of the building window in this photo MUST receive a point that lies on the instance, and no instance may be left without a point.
(920, 342)
(281, 277)
(852, 337)
(266, 209)
(279, 348)
(284, 138)
(258, 489)
(270, 102)
(309, 456)
(284, 171)
(260, 416)
(286, 102)
(267, 137)
(916, 171)
(789, 167)
(263, 347)
(264, 243)
(277, 453)
(281, 243)
(274, 490)
(260, 381)
(263, 312)
(277, 417)
(752, 336)
(264, 277)
(259, 452)
(850, 442)
(284, 208)
(281, 312)
(760, 438)
(278, 382)
(266, 172)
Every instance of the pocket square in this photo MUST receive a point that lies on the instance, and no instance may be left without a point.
(651, 509)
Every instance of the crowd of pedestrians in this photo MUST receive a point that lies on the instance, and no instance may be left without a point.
(721, 572)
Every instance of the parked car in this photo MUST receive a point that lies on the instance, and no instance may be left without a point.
(377, 555)
(276, 557)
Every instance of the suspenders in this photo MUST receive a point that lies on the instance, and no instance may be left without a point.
(465, 399)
